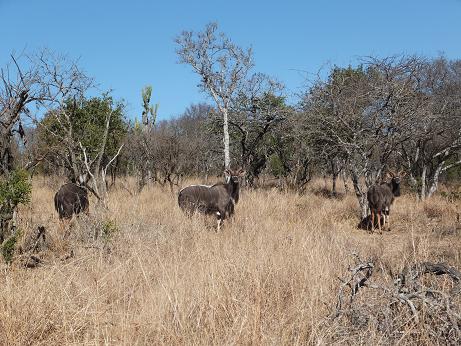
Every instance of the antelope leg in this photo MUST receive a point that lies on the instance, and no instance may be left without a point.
(372, 219)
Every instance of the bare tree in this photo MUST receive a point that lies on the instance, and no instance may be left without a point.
(256, 113)
(435, 142)
(57, 89)
(202, 144)
(85, 136)
(222, 66)
(40, 80)
(364, 115)
(169, 153)
(29, 85)
(334, 113)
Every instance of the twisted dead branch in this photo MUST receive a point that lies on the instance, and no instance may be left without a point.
(358, 278)
(437, 309)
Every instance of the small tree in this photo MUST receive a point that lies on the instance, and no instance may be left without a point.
(361, 116)
(222, 66)
(200, 143)
(292, 157)
(85, 136)
(257, 112)
(14, 190)
(29, 82)
(434, 144)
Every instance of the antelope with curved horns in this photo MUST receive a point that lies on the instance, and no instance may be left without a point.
(219, 199)
(380, 198)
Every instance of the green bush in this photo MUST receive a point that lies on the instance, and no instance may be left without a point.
(14, 190)
(9, 246)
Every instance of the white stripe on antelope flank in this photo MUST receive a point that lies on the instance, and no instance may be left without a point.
(194, 185)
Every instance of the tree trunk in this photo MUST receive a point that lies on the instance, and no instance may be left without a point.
(361, 196)
(141, 179)
(435, 180)
(345, 182)
(363, 202)
(226, 138)
(6, 159)
(9, 117)
(99, 173)
(423, 183)
(335, 173)
(334, 179)
(103, 188)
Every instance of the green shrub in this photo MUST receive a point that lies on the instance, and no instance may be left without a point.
(9, 246)
(14, 190)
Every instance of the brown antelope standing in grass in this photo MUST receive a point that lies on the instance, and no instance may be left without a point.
(219, 199)
(380, 197)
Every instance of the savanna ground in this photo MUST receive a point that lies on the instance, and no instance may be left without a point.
(154, 276)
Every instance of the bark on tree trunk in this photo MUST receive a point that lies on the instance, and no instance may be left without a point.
(99, 176)
(5, 154)
(103, 188)
(423, 183)
(363, 202)
(9, 117)
(435, 180)
(361, 196)
(345, 182)
(226, 139)
(335, 173)
(334, 179)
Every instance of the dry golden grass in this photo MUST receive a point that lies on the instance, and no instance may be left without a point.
(269, 277)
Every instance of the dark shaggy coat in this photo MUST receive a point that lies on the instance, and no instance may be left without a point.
(71, 199)
(219, 199)
(380, 198)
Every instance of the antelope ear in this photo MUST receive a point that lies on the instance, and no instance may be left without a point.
(228, 172)
(241, 172)
(402, 174)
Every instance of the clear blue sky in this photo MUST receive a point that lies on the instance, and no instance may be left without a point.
(126, 45)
